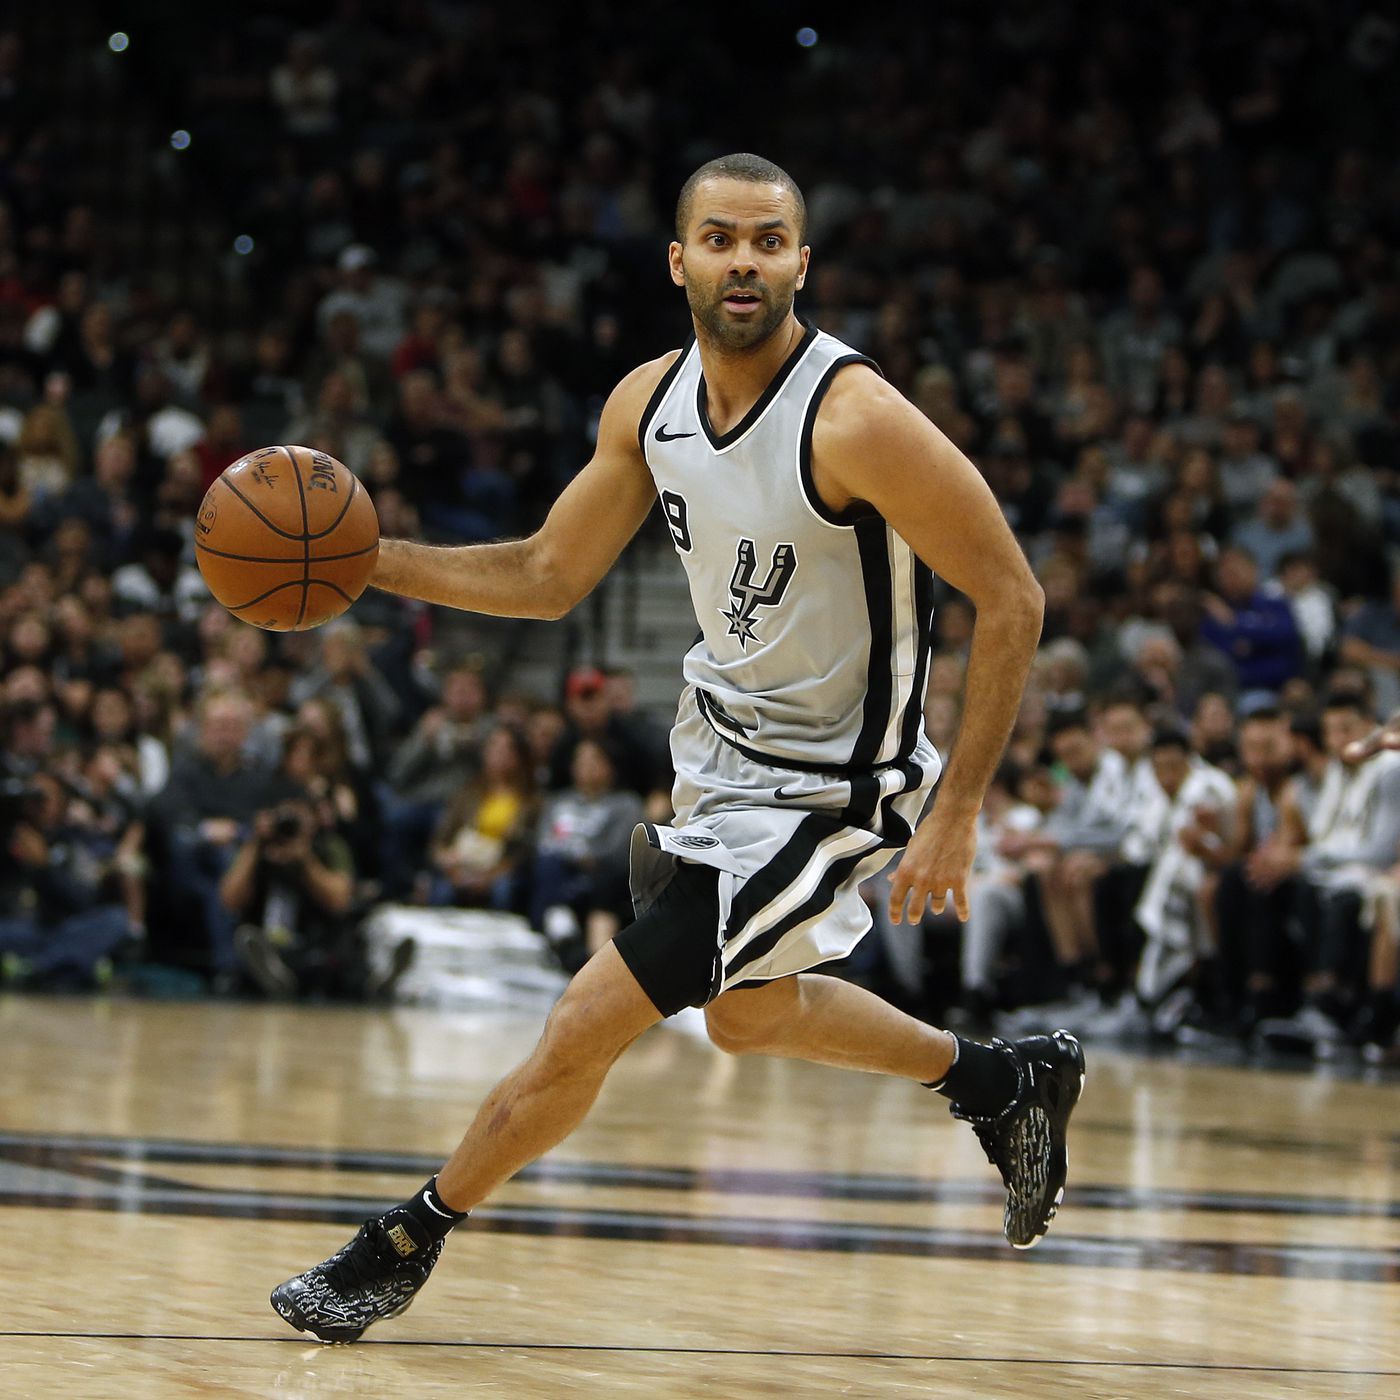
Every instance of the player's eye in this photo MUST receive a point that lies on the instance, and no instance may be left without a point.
(772, 242)
(716, 240)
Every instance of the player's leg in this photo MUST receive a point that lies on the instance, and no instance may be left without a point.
(543, 1100)
(832, 1023)
(535, 1106)
(1018, 1098)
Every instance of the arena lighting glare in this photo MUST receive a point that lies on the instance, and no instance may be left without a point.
(180, 140)
(806, 36)
(118, 42)
(243, 245)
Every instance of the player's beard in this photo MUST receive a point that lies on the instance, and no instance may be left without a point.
(739, 333)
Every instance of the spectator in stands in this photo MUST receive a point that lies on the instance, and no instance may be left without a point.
(1352, 834)
(1258, 633)
(347, 678)
(1257, 962)
(588, 715)
(483, 838)
(1371, 638)
(429, 768)
(579, 892)
(1275, 529)
(1173, 911)
(57, 927)
(212, 796)
(292, 883)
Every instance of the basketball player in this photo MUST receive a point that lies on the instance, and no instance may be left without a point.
(809, 503)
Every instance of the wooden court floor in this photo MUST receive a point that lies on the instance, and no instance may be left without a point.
(719, 1228)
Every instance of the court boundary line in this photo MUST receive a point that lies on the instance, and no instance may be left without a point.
(632, 1349)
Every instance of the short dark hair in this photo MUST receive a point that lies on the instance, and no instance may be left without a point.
(1065, 721)
(1170, 737)
(741, 165)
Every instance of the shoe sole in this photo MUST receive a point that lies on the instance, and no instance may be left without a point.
(1060, 1194)
(331, 1336)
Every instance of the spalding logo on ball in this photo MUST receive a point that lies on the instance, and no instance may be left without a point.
(287, 538)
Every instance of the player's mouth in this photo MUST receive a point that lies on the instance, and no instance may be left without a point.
(742, 302)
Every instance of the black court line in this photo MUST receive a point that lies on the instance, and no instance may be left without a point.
(60, 1150)
(1279, 1260)
(1086, 1363)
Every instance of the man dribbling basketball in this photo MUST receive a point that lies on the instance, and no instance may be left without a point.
(809, 503)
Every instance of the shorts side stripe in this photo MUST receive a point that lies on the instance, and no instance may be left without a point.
(841, 844)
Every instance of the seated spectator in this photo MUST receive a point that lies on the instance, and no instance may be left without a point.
(579, 894)
(1371, 638)
(1178, 893)
(1275, 529)
(1019, 803)
(347, 677)
(57, 926)
(1314, 605)
(158, 583)
(428, 769)
(1075, 847)
(291, 885)
(1257, 965)
(211, 798)
(1255, 631)
(588, 715)
(483, 837)
(1352, 835)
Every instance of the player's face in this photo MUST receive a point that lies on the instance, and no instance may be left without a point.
(741, 263)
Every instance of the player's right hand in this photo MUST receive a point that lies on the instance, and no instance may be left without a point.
(1385, 736)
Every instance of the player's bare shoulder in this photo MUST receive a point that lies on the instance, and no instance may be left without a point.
(862, 420)
(627, 404)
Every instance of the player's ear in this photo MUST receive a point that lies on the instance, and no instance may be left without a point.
(673, 256)
(802, 269)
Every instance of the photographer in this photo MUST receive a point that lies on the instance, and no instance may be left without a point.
(292, 883)
(57, 929)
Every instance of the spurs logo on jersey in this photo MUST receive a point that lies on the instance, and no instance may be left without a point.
(748, 597)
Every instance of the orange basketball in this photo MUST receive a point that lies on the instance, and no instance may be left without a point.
(287, 538)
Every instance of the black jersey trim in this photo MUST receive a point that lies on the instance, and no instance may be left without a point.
(842, 772)
(654, 402)
(857, 510)
(923, 613)
(872, 541)
(719, 441)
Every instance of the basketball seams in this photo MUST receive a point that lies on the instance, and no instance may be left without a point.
(305, 536)
(271, 525)
(289, 558)
(291, 583)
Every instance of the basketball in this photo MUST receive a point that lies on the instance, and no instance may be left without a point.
(286, 538)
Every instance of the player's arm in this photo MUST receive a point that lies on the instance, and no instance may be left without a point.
(871, 444)
(561, 563)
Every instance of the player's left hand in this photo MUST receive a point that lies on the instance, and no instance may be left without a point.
(937, 862)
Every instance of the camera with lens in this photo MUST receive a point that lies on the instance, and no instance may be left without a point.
(18, 800)
(286, 824)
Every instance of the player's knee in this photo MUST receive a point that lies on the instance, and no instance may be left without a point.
(575, 1041)
(746, 1022)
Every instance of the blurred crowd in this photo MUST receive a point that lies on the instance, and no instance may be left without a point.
(1140, 267)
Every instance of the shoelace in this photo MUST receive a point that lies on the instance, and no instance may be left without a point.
(351, 1269)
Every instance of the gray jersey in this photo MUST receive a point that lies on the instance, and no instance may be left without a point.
(814, 641)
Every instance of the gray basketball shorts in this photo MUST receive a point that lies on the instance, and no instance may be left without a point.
(759, 875)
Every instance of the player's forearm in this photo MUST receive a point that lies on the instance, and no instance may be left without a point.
(1004, 640)
(506, 580)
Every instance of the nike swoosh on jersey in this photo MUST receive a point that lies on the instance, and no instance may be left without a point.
(663, 436)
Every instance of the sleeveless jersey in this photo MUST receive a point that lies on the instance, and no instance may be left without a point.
(814, 627)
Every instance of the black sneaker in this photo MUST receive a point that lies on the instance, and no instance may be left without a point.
(375, 1276)
(1025, 1142)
